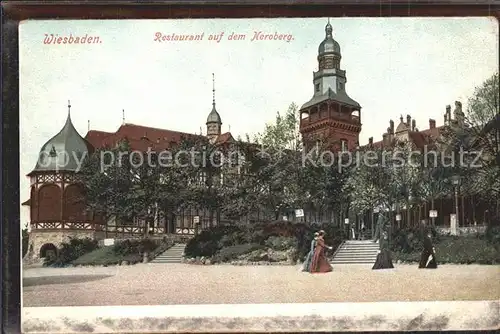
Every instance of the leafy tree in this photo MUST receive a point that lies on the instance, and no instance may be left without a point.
(107, 181)
(279, 164)
(479, 131)
(433, 180)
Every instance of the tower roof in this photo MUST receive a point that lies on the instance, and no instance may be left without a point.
(329, 45)
(63, 151)
(341, 97)
(214, 116)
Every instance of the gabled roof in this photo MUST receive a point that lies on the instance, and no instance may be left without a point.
(139, 137)
(224, 138)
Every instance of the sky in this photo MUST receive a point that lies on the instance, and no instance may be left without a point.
(394, 66)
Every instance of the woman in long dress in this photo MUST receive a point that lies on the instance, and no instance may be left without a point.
(384, 259)
(307, 262)
(319, 263)
(428, 257)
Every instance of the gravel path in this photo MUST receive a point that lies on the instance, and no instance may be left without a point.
(161, 284)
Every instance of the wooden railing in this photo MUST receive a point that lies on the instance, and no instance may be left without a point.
(66, 225)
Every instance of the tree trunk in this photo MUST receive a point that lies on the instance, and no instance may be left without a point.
(473, 209)
(462, 210)
(433, 220)
(210, 217)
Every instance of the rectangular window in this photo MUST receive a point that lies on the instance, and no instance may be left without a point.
(344, 145)
(316, 87)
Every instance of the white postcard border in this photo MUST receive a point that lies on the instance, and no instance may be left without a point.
(380, 316)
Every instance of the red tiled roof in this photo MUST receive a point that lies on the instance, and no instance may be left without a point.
(224, 138)
(95, 137)
(141, 137)
(419, 138)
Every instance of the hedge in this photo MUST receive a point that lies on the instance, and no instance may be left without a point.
(70, 251)
(86, 252)
(458, 250)
(277, 235)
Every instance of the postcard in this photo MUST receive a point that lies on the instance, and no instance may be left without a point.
(259, 174)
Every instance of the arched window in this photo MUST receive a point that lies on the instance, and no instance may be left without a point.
(49, 202)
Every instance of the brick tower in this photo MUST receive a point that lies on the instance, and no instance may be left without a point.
(330, 117)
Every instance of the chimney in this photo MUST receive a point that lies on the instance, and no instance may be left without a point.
(408, 120)
(391, 122)
(448, 112)
(370, 140)
(432, 123)
(413, 125)
(458, 114)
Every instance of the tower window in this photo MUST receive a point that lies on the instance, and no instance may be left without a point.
(343, 144)
(316, 87)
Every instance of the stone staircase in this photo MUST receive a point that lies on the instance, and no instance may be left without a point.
(171, 255)
(356, 252)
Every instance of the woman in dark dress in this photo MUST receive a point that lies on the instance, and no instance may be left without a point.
(384, 259)
(428, 257)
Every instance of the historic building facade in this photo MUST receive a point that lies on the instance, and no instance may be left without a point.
(57, 204)
(471, 210)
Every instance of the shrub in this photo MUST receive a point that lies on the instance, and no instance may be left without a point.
(232, 252)
(281, 243)
(127, 247)
(411, 239)
(457, 250)
(208, 242)
(465, 250)
(492, 235)
(71, 251)
(106, 256)
(126, 250)
(270, 234)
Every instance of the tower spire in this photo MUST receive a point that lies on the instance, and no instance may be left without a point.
(69, 107)
(123, 116)
(213, 89)
(88, 125)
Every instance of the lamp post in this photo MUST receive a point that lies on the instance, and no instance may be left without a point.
(456, 183)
